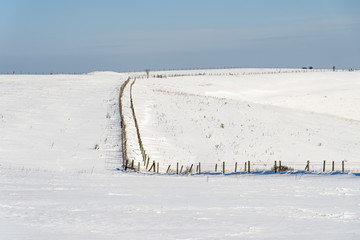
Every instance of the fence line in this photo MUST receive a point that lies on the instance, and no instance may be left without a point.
(245, 167)
(204, 73)
(145, 158)
(123, 124)
(143, 153)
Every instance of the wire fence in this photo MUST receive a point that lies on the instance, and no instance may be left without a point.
(123, 124)
(242, 167)
(127, 164)
(235, 73)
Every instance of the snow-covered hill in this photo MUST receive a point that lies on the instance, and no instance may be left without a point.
(281, 116)
(60, 148)
(55, 122)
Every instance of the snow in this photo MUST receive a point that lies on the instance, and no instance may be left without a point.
(262, 118)
(54, 184)
(131, 206)
(54, 122)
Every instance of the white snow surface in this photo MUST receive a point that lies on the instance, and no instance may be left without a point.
(60, 146)
(283, 116)
(54, 122)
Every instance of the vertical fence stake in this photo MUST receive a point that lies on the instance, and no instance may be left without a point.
(138, 166)
(333, 166)
(280, 166)
(343, 166)
(154, 166)
(245, 167)
(167, 171)
(223, 167)
(181, 168)
(126, 163)
(147, 163)
(307, 168)
(235, 166)
(177, 168)
(324, 166)
(190, 170)
(215, 167)
(249, 166)
(275, 167)
(157, 171)
(199, 167)
(132, 164)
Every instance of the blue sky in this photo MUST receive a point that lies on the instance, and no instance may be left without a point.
(86, 35)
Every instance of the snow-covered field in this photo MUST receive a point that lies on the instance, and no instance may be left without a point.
(60, 147)
(55, 122)
(53, 205)
(262, 118)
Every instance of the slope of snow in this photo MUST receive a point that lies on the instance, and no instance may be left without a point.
(262, 118)
(55, 122)
(55, 185)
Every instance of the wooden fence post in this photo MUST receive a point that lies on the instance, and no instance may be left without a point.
(132, 164)
(199, 167)
(333, 166)
(177, 168)
(249, 166)
(280, 166)
(215, 167)
(307, 167)
(167, 171)
(157, 171)
(154, 166)
(223, 167)
(324, 166)
(275, 167)
(138, 166)
(181, 168)
(343, 166)
(149, 170)
(235, 166)
(245, 167)
(147, 163)
(126, 164)
(190, 170)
